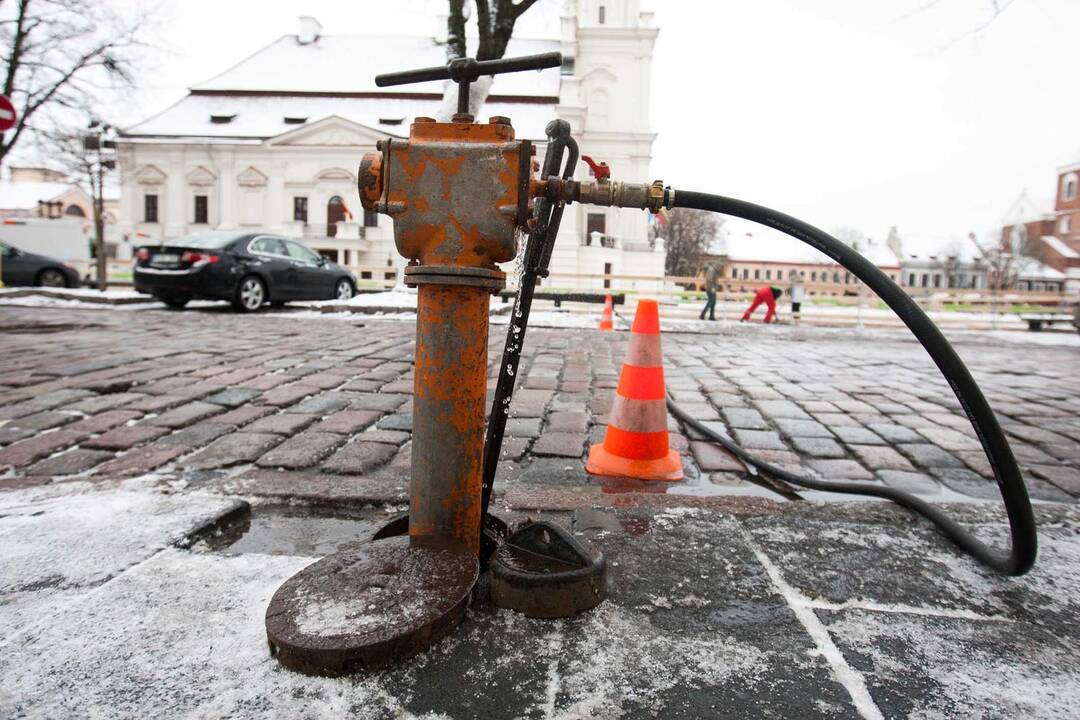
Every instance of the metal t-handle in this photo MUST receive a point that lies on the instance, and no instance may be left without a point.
(467, 70)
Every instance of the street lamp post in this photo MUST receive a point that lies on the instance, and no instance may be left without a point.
(100, 140)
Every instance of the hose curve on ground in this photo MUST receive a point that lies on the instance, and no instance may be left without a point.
(1021, 556)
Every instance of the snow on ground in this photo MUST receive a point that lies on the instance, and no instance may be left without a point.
(77, 293)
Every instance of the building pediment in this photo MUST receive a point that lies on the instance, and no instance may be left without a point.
(600, 73)
(201, 176)
(251, 178)
(335, 174)
(333, 131)
(150, 175)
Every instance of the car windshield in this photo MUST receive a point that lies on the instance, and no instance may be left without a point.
(215, 240)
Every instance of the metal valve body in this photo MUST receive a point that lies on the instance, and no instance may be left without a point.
(458, 194)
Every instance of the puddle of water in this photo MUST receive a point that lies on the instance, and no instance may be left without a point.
(291, 530)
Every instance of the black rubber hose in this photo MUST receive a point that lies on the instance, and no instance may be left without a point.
(1010, 482)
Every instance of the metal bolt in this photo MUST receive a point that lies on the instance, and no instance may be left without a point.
(422, 119)
(498, 120)
(462, 118)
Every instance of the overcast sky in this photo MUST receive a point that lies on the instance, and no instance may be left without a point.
(860, 113)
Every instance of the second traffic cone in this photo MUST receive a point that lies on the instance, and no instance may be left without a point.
(636, 442)
(605, 317)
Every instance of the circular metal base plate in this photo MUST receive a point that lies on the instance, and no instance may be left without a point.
(370, 606)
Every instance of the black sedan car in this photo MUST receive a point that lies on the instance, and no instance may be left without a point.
(245, 268)
(18, 267)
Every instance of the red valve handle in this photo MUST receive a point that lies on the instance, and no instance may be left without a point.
(600, 171)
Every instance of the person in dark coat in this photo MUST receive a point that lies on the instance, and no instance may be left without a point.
(711, 285)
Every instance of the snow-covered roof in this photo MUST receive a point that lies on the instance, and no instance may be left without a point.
(27, 195)
(349, 63)
(261, 117)
(749, 242)
(938, 250)
(1035, 270)
(1059, 247)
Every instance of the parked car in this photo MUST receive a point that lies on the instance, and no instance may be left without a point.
(247, 269)
(18, 267)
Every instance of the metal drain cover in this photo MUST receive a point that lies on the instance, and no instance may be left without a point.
(543, 571)
(370, 606)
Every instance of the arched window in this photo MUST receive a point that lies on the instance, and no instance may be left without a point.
(74, 211)
(1068, 186)
(335, 213)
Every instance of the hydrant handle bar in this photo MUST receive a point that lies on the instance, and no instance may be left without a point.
(466, 70)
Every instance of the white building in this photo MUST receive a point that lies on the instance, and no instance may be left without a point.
(273, 142)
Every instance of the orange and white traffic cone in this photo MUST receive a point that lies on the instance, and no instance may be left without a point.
(636, 442)
(606, 317)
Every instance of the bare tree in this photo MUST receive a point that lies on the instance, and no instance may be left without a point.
(61, 56)
(1009, 258)
(687, 237)
(495, 20)
(83, 151)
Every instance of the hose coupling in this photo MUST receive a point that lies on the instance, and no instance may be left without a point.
(608, 193)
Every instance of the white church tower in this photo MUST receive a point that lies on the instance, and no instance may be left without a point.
(607, 47)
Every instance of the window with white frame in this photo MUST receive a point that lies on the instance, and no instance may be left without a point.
(1064, 225)
(1068, 187)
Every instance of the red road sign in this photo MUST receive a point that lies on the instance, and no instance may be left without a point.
(7, 114)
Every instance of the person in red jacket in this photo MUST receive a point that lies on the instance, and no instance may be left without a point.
(766, 294)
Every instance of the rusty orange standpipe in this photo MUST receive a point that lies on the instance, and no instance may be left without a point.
(458, 193)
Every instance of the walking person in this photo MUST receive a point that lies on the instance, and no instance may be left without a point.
(711, 284)
(765, 294)
(798, 292)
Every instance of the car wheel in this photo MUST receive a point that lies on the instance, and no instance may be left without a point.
(176, 303)
(344, 290)
(250, 294)
(51, 277)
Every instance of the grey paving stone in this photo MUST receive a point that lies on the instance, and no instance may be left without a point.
(389, 437)
(123, 438)
(233, 449)
(930, 456)
(396, 421)
(840, 469)
(745, 418)
(909, 481)
(1064, 477)
(523, 427)
(288, 394)
(950, 439)
(759, 439)
(301, 451)
(858, 436)
(233, 397)
(282, 423)
(196, 436)
(383, 402)
(559, 444)
(44, 420)
(359, 457)
(893, 433)
(348, 422)
(803, 428)
(877, 457)
(781, 409)
(323, 404)
(573, 422)
(187, 414)
(69, 463)
(818, 447)
(711, 457)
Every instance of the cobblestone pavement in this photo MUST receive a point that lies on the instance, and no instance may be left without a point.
(165, 472)
(277, 405)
